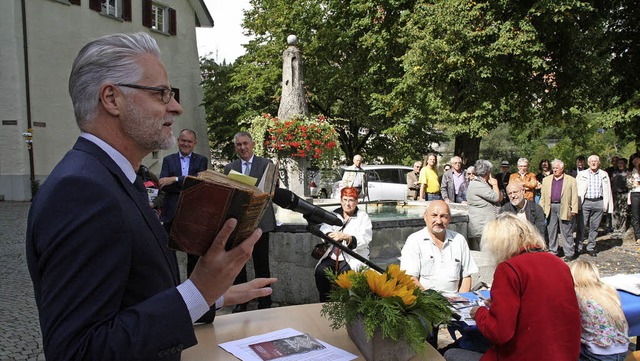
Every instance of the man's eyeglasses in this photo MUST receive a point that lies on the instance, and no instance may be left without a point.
(166, 93)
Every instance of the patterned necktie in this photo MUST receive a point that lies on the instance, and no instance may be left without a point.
(247, 168)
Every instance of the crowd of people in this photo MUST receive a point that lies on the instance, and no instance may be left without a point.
(575, 203)
(517, 217)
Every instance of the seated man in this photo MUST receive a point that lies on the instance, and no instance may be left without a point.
(438, 258)
(524, 208)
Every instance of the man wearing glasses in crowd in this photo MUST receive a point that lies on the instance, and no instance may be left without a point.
(412, 181)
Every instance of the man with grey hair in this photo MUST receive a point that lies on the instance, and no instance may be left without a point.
(413, 186)
(559, 200)
(106, 285)
(527, 179)
(250, 164)
(595, 199)
(454, 182)
(354, 176)
(483, 198)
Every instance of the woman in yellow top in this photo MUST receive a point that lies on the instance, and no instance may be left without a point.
(429, 180)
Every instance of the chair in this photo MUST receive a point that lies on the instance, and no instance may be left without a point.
(633, 356)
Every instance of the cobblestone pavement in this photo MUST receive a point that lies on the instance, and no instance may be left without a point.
(20, 337)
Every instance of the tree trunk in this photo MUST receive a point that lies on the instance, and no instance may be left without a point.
(468, 148)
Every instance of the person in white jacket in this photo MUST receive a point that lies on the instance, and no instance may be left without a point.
(356, 233)
(595, 199)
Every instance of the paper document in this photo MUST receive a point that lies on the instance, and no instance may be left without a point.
(312, 351)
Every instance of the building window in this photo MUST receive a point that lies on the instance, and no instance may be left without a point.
(158, 17)
(120, 9)
(112, 7)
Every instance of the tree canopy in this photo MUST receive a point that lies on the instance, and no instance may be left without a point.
(395, 76)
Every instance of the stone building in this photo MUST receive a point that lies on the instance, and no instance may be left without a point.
(38, 42)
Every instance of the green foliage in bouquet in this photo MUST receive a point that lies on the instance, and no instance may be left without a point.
(390, 302)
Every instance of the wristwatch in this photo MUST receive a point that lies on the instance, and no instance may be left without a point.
(177, 179)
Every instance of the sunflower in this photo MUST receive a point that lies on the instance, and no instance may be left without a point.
(403, 278)
(344, 279)
(379, 283)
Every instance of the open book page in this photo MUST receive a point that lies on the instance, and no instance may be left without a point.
(269, 177)
(628, 283)
(242, 348)
(243, 178)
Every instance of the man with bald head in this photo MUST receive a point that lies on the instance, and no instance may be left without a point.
(436, 257)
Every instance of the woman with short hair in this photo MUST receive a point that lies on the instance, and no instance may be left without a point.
(356, 233)
(483, 198)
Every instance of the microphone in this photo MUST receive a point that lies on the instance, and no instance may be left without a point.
(313, 214)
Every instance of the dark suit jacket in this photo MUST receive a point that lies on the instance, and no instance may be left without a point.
(103, 276)
(268, 222)
(533, 212)
(171, 167)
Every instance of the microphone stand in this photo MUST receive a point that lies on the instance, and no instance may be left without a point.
(315, 230)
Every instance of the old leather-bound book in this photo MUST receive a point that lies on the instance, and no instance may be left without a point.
(208, 200)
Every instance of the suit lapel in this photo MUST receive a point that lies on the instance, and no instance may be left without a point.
(176, 164)
(192, 164)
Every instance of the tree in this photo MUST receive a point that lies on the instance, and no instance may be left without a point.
(350, 52)
(472, 65)
(221, 110)
(623, 31)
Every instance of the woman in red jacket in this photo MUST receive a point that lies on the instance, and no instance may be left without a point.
(533, 313)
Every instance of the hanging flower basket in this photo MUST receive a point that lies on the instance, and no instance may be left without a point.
(309, 138)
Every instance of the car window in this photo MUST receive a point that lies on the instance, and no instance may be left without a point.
(388, 176)
(372, 176)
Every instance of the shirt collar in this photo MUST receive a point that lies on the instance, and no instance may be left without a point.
(185, 156)
(250, 161)
(120, 160)
(447, 236)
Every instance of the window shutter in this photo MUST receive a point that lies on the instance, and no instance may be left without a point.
(146, 13)
(75, 2)
(95, 5)
(177, 94)
(172, 21)
(126, 10)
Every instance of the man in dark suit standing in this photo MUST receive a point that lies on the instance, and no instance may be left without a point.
(175, 167)
(106, 284)
(254, 166)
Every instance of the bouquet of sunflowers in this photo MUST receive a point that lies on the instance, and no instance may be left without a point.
(390, 302)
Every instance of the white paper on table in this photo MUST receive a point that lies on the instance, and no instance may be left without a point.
(240, 348)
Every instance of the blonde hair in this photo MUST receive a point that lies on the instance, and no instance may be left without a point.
(508, 236)
(589, 286)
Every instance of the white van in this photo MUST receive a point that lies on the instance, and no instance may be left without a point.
(384, 182)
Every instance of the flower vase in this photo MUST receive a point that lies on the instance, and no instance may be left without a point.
(378, 348)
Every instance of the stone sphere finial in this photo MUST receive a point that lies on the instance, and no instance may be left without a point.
(292, 40)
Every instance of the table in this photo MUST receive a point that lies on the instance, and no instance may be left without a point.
(304, 318)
